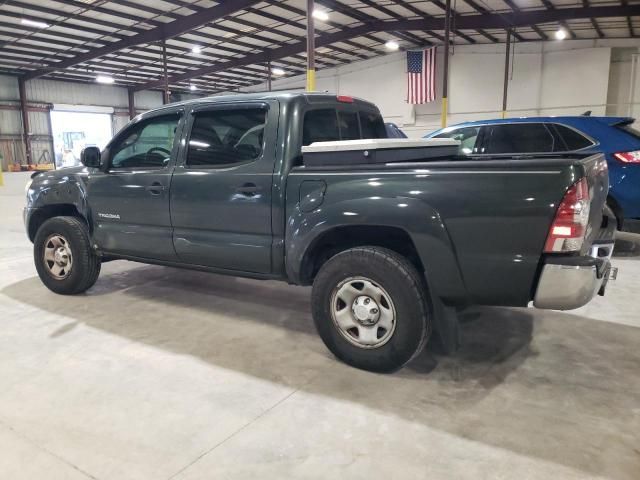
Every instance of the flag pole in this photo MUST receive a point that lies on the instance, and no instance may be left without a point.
(445, 70)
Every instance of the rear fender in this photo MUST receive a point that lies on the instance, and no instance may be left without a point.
(419, 220)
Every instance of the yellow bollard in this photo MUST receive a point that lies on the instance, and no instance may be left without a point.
(1, 179)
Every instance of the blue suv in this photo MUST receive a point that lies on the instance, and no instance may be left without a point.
(612, 136)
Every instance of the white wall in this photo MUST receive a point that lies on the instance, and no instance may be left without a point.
(550, 78)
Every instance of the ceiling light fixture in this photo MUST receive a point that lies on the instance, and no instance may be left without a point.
(277, 71)
(392, 45)
(33, 23)
(320, 15)
(193, 87)
(104, 79)
(561, 34)
(196, 49)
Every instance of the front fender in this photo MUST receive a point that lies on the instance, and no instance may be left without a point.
(419, 220)
(57, 189)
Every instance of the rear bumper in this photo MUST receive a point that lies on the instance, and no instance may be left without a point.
(571, 282)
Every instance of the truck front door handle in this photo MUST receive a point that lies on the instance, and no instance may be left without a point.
(156, 188)
(248, 189)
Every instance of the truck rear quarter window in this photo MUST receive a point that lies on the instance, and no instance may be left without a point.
(220, 138)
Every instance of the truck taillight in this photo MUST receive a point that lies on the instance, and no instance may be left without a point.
(570, 223)
(628, 157)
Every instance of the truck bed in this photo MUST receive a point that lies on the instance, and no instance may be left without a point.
(479, 226)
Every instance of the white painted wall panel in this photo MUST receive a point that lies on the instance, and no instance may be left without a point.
(574, 81)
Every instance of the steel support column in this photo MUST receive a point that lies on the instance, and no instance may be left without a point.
(25, 120)
(165, 92)
(506, 74)
(269, 75)
(132, 103)
(445, 69)
(311, 58)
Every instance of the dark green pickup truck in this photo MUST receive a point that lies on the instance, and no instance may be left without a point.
(394, 235)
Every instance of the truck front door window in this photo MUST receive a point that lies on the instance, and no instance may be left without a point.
(221, 138)
(148, 145)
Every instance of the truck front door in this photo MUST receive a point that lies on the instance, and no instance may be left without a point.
(221, 190)
(129, 201)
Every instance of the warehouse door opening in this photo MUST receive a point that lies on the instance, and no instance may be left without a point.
(72, 131)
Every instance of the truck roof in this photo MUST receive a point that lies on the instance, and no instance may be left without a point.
(282, 96)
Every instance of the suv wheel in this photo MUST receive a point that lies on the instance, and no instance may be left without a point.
(62, 252)
(371, 308)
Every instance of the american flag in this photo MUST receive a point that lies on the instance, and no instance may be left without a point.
(421, 76)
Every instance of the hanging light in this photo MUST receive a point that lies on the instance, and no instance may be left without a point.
(392, 45)
(193, 87)
(278, 72)
(104, 79)
(196, 49)
(561, 34)
(33, 23)
(320, 15)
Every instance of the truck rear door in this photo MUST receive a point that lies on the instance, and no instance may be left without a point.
(221, 189)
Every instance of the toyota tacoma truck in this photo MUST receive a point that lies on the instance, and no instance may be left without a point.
(394, 235)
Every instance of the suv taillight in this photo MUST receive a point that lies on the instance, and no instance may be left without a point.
(628, 157)
(570, 223)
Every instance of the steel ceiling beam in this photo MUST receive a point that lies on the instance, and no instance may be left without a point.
(162, 32)
(467, 22)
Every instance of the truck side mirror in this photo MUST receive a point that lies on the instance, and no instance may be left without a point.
(90, 156)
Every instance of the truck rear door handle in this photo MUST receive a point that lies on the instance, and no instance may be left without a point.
(248, 189)
(156, 188)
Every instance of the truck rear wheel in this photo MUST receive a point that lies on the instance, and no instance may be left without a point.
(62, 252)
(371, 308)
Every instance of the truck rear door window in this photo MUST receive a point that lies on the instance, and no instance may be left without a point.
(320, 126)
(518, 138)
(220, 138)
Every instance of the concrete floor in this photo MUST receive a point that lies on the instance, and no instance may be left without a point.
(158, 373)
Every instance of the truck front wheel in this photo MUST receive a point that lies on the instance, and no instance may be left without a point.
(371, 308)
(62, 252)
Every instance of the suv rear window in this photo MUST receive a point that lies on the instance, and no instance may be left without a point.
(573, 139)
(329, 124)
(518, 138)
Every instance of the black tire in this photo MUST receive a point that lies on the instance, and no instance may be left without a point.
(409, 296)
(85, 266)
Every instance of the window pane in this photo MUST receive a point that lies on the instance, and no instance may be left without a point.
(146, 145)
(572, 138)
(226, 137)
(518, 138)
(372, 125)
(320, 126)
(349, 129)
(467, 137)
